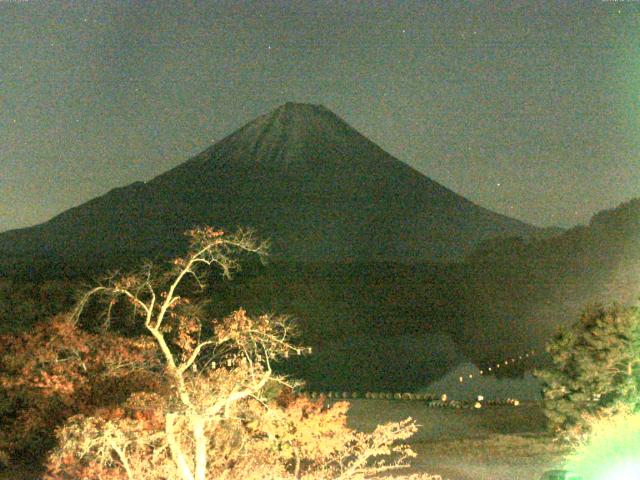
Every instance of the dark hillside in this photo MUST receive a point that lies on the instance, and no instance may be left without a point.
(391, 325)
(383, 325)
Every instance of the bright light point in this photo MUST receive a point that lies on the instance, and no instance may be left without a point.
(628, 471)
(610, 452)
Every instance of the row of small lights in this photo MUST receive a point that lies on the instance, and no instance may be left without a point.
(443, 398)
(505, 363)
(431, 399)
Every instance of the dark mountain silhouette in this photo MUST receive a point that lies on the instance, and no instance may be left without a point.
(356, 236)
(383, 325)
(300, 176)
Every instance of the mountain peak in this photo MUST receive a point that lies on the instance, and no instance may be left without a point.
(291, 134)
(303, 113)
(299, 175)
(292, 106)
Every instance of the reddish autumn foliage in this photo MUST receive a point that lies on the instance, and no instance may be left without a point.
(56, 371)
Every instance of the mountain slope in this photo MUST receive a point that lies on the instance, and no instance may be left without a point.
(298, 175)
(373, 325)
(525, 289)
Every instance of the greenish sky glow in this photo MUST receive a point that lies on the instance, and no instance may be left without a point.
(531, 109)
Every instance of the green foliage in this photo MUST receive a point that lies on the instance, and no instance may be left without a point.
(596, 366)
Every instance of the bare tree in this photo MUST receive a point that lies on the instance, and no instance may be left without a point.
(216, 418)
(241, 341)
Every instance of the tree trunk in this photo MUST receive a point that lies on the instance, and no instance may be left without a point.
(176, 451)
(200, 439)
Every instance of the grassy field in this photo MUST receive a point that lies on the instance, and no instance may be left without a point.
(492, 443)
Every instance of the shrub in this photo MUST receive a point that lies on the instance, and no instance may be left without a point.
(596, 365)
(56, 371)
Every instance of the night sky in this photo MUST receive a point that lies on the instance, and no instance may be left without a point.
(531, 109)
